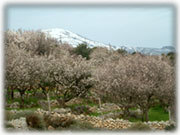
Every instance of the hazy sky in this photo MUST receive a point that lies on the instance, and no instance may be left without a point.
(132, 26)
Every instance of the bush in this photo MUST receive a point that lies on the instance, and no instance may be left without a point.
(8, 125)
(79, 125)
(35, 121)
(139, 126)
(81, 110)
(11, 115)
(83, 50)
(122, 51)
(170, 127)
(57, 122)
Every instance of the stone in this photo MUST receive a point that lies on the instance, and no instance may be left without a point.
(74, 101)
(54, 103)
(93, 109)
(19, 124)
(108, 107)
(15, 105)
(17, 95)
(62, 110)
(51, 128)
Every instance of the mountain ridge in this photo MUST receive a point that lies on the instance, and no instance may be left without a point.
(66, 36)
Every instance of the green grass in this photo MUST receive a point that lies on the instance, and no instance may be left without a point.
(95, 114)
(82, 104)
(23, 109)
(156, 113)
(26, 100)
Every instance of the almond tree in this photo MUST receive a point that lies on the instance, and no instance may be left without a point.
(41, 71)
(73, 75)
(17, 75)
(134, 81)
(150, 75)
(34, 42)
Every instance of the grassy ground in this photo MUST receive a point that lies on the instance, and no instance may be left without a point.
(155, 114)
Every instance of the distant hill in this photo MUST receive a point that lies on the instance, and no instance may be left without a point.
(73, 39)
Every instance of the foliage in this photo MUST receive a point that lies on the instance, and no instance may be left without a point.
(80, 125)
(156, 113)
(81, 110)
(35, 121)
(170, 127)
(10, 116)
(136, 81)
(57, 122)
(139, 126)
(83, 50)
(73, 76)
(172, 57)
(35, 62)
(122, 51)
(9, 125)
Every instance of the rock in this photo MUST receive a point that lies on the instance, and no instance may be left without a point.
(17, 95)
(74, 101)
(114, 115)
(19, 124)
(54, 103)
(13, 111)
(51, 128)
(108, 107)
(62, 110)
(135, 113)
(15, 105)
(81, 109)
(93, 109)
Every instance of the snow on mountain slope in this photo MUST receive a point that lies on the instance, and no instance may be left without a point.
(65, 36)
(71, 38)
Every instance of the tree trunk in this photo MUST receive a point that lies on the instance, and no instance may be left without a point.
(172, 113)
(8, 94)
(99, 101)
(12, 94)
(22, 99)
(49, 103)
(142, 119)
(34, 92)
(143, 115)
(126, 113)
(146, 116)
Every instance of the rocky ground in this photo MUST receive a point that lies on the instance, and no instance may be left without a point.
(108, 118)
(97, 122)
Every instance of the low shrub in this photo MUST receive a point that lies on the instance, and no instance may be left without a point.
(170, 127)
(80, 125)
(139, 126)
(82, 109)
(9, 125)
(9, 115)
(35, 121)
(57, 122)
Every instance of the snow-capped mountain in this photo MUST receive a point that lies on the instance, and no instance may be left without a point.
(71, 38)
(65, 36)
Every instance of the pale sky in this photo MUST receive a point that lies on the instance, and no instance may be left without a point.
(131, 26)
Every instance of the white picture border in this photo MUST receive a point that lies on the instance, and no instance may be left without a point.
(3, 3)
